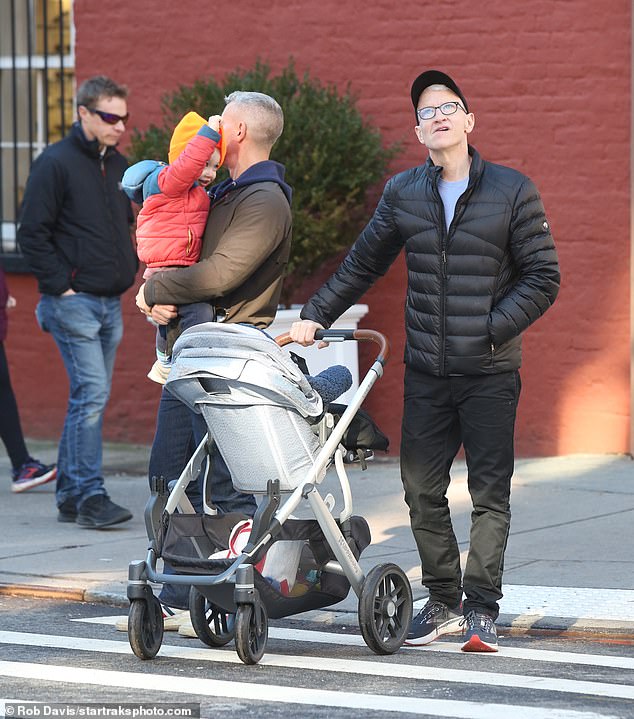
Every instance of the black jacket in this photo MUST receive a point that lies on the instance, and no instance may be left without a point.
(75, 219)
(471, 291)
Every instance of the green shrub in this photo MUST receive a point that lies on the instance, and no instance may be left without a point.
(331, 154)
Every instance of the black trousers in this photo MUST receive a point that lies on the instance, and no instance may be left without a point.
(441, 414)
(10, 429)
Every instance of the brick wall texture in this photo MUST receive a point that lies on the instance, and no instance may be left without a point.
(549, 84)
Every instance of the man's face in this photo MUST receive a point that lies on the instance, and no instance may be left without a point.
(233, 132)
(95, 128)
(443, 132)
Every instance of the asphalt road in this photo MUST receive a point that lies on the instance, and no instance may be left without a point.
(69, 656)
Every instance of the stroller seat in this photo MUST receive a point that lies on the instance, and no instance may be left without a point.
(246, 386)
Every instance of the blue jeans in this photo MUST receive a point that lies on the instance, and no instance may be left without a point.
(87, 330)
(189, 315)
(178, 432)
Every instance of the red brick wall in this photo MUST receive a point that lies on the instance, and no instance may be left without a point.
(550, 86)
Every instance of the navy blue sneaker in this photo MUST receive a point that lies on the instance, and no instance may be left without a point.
(480, 634)
(434, 620)
(32, 474)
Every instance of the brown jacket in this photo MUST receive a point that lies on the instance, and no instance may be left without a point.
(245, 250)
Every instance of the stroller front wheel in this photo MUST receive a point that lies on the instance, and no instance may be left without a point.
(385, 608)
(252, 630)
(145, 627)
(212, 625)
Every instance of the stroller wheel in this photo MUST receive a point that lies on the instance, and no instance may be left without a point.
(252, 631)
(385, 608)
(212, 625)
(145, 627)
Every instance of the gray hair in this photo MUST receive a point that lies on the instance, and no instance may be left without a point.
(437, 86)
(264, 116)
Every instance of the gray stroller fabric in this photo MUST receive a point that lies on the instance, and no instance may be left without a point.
(243, 366)
(254, 399)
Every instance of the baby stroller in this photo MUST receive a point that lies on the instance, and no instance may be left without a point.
(271, 429)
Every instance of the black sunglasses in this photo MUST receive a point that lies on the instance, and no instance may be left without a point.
(109, 117)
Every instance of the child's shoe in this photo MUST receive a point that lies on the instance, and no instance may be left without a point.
(159, 372)
(31, 474)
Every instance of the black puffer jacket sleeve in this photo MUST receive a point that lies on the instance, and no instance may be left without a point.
(536, 269)
(369, 258)
(43, 198)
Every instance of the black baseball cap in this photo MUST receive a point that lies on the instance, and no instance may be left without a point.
(434, 77)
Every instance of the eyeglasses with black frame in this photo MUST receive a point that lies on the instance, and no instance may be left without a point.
(447, 108)
(109, 117)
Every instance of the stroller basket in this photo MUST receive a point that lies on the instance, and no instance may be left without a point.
(307, 584)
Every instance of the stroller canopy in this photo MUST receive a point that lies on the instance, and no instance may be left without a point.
(224, 364)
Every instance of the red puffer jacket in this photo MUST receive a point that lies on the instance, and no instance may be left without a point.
(172, 220)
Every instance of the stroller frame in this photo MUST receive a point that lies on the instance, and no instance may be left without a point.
(385, 597)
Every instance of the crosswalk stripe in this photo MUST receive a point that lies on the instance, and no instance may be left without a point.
(354, 640)
(287, 695)
(540, 655)
(344, 666)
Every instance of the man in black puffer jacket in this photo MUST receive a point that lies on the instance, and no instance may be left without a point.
(482, 267)
(75, 234)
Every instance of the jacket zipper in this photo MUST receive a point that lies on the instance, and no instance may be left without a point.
(443, 282)
(444, 244)
(112, 224)
(443, 301)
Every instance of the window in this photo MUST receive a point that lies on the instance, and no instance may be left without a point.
(37, 82)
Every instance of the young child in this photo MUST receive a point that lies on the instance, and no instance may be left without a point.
(172, 220)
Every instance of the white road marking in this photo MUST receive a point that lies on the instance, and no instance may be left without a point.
(330, 664)
(566, 602)
(110, 619)
(355, 640)
(535, 655)
(287, 695)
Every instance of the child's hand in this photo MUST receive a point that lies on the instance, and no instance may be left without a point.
(214, 122)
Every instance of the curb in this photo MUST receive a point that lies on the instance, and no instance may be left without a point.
(511, 624)
(570, 626)
(35, 591)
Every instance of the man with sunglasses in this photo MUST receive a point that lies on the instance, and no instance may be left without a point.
(482, 267)
(75, 234)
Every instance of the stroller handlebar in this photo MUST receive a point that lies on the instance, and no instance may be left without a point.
(343, 335)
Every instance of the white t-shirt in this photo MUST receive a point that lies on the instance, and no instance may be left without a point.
(450, 193)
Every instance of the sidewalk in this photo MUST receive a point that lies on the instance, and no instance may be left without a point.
(569, 564)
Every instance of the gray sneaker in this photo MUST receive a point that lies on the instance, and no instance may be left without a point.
(434, 620)
(480, 634)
